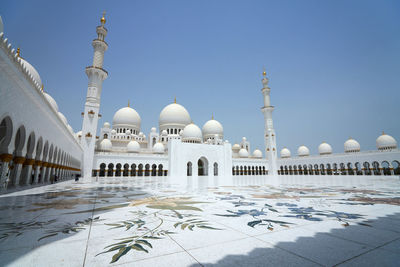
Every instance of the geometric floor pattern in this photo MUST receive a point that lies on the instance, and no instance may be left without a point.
(147, 221)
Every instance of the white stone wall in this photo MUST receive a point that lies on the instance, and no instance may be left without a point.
(129, 158)
(180, 154)
(36, 144)
(346, 158)
(27, 107)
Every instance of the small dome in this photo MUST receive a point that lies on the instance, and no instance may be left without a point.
(32, 71)
(153, 129)
(113, 132)
(192, 132)
(126, 116)
(244, 139)
(174, 114)
(285, 153)
(164, 132)
(236, 148)
(133, 146)
(386, 142)
(324, 149)
(62, 117)
(243, 153)
(51, 100)
(303, 151)
(351, 145)
(106, 125)
(105, 145)
(257, 154)
(158, 148)
(212, 128)
(128, 132)
(141, 134)
(180, 132)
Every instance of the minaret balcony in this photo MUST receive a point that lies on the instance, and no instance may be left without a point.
(268, 107)
(98, 40)
(90, 70)
(97, 43)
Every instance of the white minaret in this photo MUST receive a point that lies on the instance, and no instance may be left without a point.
(96, 75)
(269, 132)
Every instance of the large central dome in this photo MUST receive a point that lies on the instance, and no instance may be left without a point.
(126, 117)
(174, 115)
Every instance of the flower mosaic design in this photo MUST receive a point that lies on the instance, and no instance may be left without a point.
(68, 228)
(142, 234)
(14, 229)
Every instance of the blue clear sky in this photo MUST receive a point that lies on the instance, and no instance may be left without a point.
(334, 66)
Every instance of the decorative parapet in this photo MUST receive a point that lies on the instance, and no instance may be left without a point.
(13, 56)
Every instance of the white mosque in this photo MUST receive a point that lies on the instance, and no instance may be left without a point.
(37, 142)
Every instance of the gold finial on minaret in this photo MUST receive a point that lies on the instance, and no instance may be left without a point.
(175, 100)
(383, 132)
(103, 19)
(264, 72)
(129, 104)
(41, 89)
(18, 52)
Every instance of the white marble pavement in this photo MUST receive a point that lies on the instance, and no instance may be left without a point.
(284, 221)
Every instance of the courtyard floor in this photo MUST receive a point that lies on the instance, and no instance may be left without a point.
(145, 221)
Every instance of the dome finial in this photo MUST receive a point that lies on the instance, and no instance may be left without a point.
(103, 19)
(18, 52)
(264, 72)
(42, 89)
(175, 100)
(212, 116)
(383, 132)
(129, 104)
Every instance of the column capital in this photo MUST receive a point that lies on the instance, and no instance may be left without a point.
(19, 160)
(6, 157)
(29, 162)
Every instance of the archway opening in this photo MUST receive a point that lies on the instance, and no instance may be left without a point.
(140, 171)
(102, 170)
(110, 171)
(216, 169)
(126, 170)
(189, 169)
(160, 170)
(118, 169)
(202, 165)
(133, 170)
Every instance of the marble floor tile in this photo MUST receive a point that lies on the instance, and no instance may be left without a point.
(247, 252)
(376, 257)
(149, 221)
(318, 247)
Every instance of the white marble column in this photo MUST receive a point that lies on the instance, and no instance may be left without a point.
(36, 168)
(5, 158)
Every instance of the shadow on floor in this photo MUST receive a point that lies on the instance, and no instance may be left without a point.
(30, 221)
(375, 243)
